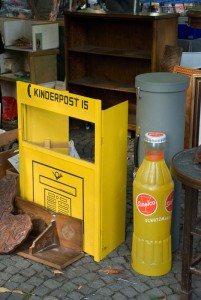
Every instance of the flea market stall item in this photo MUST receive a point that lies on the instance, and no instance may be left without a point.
(153, 191)
(161, 103)
(8, 144)
(94, 192)
(109, 49)
(55, 239)
(38, 35)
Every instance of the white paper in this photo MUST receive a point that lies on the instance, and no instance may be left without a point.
(14, 160)
(72, 151)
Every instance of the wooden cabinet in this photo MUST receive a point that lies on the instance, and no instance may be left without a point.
(31, 49)
(104, 52)
(30, 66)
(33, 66)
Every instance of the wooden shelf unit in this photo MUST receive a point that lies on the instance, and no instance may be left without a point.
(32, 62)
(42, 65)
(104, 52)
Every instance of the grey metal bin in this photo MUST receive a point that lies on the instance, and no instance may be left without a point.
(161, 106)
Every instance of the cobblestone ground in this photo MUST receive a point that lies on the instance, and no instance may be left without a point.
(84, 279)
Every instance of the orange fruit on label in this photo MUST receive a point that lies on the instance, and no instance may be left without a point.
(146, 204)
(169, 202)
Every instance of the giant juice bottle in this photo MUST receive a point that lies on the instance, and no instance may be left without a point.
(153, 190)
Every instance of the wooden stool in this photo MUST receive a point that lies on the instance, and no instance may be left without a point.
(186, 169)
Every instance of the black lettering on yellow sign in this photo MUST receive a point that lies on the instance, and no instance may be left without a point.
(85, 104)
(60, 98)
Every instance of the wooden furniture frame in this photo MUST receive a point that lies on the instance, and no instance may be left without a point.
(191, 107)
(104, 52)
(171, 57)
(185, 169)
(42, 65)
(196, 110)
(55, 240)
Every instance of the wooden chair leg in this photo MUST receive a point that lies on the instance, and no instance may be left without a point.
(190, 216)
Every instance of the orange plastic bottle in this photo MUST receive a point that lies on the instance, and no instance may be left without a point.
(153, 190)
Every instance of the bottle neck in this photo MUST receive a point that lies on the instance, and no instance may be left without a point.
(154, 155)
(154, 146)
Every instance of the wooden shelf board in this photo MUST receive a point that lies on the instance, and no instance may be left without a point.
(38, 52)
(90, 49)
(8, 77)
(103, 84)
(131, 127)
(131, 122)
(11, 77)
(19, 48)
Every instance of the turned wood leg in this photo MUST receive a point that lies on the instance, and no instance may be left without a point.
(190, 215)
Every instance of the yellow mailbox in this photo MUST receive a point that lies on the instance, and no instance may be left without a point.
(94, 192)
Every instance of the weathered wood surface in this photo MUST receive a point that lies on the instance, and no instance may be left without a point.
(14, 229)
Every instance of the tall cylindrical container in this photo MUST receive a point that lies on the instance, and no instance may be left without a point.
(153, 189)
(161, 106)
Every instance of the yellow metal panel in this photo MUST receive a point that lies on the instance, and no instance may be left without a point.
(96, 206)
(62, 102)
(114, 175)
(51, 183)
(41, 128)
(50, 177)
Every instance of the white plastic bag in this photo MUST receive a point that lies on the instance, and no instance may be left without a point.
(72, 151)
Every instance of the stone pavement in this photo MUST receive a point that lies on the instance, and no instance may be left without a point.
(84, 279)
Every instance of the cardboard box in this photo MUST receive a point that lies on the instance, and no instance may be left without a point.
(5, 139)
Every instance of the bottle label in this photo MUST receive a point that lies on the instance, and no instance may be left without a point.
(146, 204)
(169, 202)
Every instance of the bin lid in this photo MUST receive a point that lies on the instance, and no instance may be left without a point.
(164, 82)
